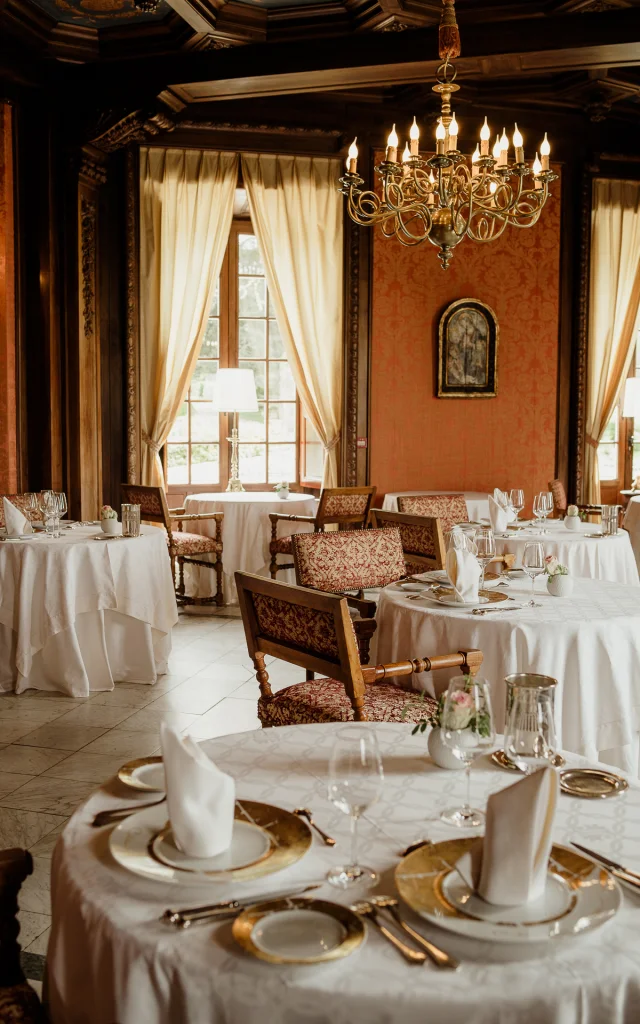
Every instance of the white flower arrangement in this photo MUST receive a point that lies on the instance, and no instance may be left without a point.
(282, 486)
(552, 567)
(573, 511)
(106, 512)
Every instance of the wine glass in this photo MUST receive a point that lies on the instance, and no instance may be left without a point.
(540, 508)
(516, 500)
(62, 503)
(47, 504)
(533, 565)
(485, 550)
(355, 783)
(468, 729)
(31, 504)
(530, 734)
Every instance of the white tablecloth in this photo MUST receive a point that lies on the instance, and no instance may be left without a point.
(246, 532)
(110, 959)
(477, 502)
(632, 524)
(76, 613)
(589, 642)
(610, 558)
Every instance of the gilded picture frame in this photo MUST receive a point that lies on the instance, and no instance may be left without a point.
(468, 337)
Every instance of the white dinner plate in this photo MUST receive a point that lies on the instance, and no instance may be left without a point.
(412, 588)
(296, 930)
(249, 844)
(145, 773)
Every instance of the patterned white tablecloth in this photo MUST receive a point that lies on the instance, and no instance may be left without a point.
(589, 642)
(609, 558)
(477, 502)
(110, 959)
(246, 533)
(77, 613)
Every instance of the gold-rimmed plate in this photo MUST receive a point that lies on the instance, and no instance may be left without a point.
(250, 845)
(131, 845)
(578, 897)
(592, 783)
(144, 773)
(444, 596)
(299, 930)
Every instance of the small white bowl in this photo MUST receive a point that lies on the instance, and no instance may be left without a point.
(111, 526)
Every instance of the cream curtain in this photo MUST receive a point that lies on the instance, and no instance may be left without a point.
(614, 302)
(296, 212)
(186, 206)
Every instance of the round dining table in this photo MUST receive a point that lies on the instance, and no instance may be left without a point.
(477, 501)
(246, 533)
(589, 642)
(584, 551)
(111, 959)
(82, 611)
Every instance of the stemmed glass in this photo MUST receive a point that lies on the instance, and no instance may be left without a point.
(533, 565)
(485, 550)
(468, 729)
(516, 500)
(355, 783)
(62, 503)
(48, 505)
(530, 734)
(542, 506)
(32, 504)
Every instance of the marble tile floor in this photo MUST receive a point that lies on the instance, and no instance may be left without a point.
(54, 750)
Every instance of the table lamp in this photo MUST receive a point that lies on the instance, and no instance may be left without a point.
(235, 391)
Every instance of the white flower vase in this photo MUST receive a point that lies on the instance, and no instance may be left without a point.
(111, 526)
(439, 752)
(283, 493)
(572, 522)
(560, 586)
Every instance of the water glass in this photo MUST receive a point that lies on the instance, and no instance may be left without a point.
(130, 516)
(485, 550)
(530, 734)
(543, 506)
(610, 520)
(468, 730)
(533, 565)
(355, 783)
(516, 500)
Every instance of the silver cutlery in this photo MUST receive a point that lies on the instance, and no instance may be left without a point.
(228, 908)
(437, 955)
(365, 909)
(120, 813)
(617, 869)
(304, 812)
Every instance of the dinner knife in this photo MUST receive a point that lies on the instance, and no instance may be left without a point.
(607, 861)
(183, 918)
(490, 611)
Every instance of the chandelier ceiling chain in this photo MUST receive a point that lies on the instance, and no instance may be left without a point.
(446, 197)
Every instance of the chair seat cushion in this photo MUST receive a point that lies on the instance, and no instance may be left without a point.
(281, 546)
(194, 543)
(325, 700)
(19, 1004)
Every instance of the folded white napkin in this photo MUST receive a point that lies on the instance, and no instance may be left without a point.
(497, 515)
(15, 522)
(463, 570)
(503, 501)
(200, 798)
(508, 866)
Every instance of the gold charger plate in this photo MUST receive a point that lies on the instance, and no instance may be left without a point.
(345, 930)
(492, 596)
(592, 783)
(127, 774)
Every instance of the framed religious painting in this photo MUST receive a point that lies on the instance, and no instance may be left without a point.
(468, 351)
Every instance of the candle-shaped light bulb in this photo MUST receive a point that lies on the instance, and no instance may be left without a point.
(492, 187)
(537, 168)
(440, 137)
(414, 136)
(392, 146)
(352, 157)
(485, 135)
(406, 153)
(496, 149)
(504, 149)
(431, 198)
(545, 149)
(475, 156)
(453, 133)
(518, 143)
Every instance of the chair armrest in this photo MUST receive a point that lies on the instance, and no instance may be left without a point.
(367, 609)
(199, 515)
(275, 516)
(469, 660)
(177, 511)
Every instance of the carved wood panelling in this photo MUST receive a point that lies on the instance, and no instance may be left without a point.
(89, 426)
(580, 377)
(132, 321)
(355, 421)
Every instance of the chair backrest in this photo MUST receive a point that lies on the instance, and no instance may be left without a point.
(303, 627)
(422, 536)
(20, 502)
(559, 495)
(448, 508)
(345, 505)
(152, 502)
(348, 560)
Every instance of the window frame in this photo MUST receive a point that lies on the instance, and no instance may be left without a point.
(610, 488)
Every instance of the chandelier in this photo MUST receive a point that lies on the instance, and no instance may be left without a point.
(448, 197)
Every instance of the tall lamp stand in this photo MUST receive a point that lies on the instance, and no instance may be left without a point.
(235, 483)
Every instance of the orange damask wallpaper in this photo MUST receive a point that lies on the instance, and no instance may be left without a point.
(8, 439)
(419, 441)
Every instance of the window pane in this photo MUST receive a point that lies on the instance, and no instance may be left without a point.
(249, 261)
(282, 421)
(253, 468)
(202, 383)
(311, 434)
(636, 461)
(180, 429)
(608, 461)
(177, 466)
(204, 464)
(272, 308)
(282, 462)
(276, 346)
(611, 429)
(252, 337)
(252, 425)
(252, 296)
(215, 305)
(211, 341)
(204, 422)
(281, 381)
(258, 373)
(313, 462)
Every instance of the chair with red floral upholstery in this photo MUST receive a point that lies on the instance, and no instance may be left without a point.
(351, 560)
(422, 539)
(184, 548)
(314, 630)
(20, 502)
(560, 503)
(348, 507)
(448, 508)
(19, 1003)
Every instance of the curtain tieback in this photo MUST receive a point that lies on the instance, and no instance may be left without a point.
(150, 443)
(332, 443)
(592, 441)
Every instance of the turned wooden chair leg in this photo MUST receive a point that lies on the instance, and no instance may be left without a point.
(180, 576)
(219, 592)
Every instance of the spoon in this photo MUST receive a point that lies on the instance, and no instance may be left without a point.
(119, 813)
(366, 909)
(304, 812)
(438, 956)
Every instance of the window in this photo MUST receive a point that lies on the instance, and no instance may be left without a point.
(635, 458)
(608, 448)
(619, 449)
(277, 442)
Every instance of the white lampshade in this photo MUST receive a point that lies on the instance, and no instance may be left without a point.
(235, 391)
(631, 403)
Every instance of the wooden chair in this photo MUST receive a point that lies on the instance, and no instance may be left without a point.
(351, 560)
(560, 502)
(20, 502)
(448, 508)
(422, 539)
(183, 547)
(314, 630)
(19, 1003)
(348, 507)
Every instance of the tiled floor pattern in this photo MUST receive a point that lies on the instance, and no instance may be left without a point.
(55, 750)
